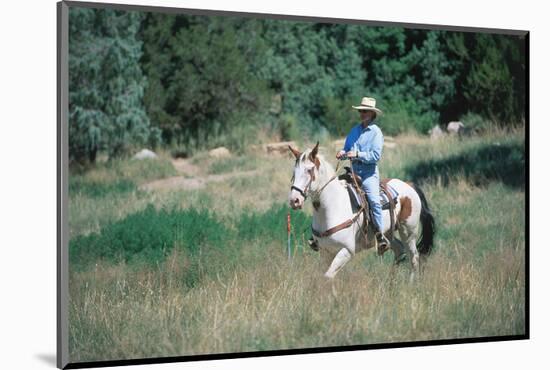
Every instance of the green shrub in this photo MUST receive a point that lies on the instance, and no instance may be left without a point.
(271, 225)
(476, 122)
(339, 116)
(148, 236)
(288, 126)
(394, 123)
(403, 117)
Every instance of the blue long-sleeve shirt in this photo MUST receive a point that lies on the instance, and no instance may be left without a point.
(368, 143)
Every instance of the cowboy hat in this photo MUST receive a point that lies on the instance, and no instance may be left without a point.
(368, 104)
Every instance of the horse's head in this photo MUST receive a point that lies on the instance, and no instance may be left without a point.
(305, 171)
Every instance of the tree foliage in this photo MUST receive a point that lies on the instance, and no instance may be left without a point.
(201, 84)
(204, 81)
(105, 83)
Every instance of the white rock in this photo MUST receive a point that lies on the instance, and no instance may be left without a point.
(436, 132)
(145, 154)
(455, 127)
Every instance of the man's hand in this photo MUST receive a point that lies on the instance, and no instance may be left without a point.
(351, 154)
(340, 154)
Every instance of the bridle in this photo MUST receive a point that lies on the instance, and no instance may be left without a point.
(304, 192)
(311, 172)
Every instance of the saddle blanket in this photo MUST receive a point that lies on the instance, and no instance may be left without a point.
(384, 201)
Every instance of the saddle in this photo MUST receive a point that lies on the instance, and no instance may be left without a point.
(358, 198)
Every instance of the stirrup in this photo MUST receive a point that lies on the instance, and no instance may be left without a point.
(313, 244)
(383, 243)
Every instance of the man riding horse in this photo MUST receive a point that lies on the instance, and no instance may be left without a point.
(363, 146)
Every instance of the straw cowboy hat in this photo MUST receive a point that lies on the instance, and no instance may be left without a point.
(368, 104)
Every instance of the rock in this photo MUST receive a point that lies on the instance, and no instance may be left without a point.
(455, 128)
(436, 133)
(221, 152)
(145, 154)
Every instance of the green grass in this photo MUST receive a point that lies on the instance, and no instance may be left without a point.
(110, 190)
(149, 236)
(78, 186)
(137, 171)
(226, 165)
(206, 271)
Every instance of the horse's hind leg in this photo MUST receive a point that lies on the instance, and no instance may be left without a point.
(398, 251)
(341, 258)
(409, 236)
(399, 256)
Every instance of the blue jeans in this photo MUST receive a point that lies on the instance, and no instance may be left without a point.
(371, 186)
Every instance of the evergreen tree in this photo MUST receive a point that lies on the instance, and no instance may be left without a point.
(205, 72)
(490, 76)
(105, 83)
(490, 88)
(202, 86)
(316, 70)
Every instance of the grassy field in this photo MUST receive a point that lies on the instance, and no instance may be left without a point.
(183, 272)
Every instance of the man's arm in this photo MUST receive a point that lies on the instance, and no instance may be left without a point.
(373, 156)
(347, 144)
(349, 141)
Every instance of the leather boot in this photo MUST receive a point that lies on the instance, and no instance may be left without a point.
(313, 244)
(383, 243)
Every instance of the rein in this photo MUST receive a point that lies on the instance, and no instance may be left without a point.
(306, 188)
(304, 193)
(345, 224)
(335, 229)
(318, 192)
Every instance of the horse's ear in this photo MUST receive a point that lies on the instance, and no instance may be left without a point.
(296, 153)
(315, 151)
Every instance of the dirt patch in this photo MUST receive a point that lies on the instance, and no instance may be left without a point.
(190, 178)
(176, 182)
(184, 167)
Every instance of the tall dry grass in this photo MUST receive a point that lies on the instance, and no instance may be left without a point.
(473, 284)
(120, 313)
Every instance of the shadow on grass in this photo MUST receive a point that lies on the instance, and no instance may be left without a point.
(495, 162)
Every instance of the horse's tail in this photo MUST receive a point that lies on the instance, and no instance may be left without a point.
(426, 241)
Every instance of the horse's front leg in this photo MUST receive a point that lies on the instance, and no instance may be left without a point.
(340, 259)
(326, 258)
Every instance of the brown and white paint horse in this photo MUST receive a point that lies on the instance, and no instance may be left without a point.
(313, 176)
